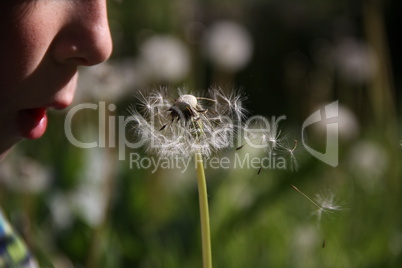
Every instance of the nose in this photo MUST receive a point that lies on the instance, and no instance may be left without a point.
(85, 37)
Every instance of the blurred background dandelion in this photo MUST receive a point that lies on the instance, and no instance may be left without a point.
(86, 208)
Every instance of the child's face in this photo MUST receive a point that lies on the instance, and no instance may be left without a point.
(42, 44)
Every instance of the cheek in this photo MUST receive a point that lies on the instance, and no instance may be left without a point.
(23, 47)
(29, 49)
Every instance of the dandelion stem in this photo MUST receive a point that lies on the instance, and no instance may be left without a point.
(204, 214)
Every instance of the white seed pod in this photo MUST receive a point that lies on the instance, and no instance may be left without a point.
(187, 124)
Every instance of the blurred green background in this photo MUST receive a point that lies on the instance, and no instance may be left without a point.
(86, 208)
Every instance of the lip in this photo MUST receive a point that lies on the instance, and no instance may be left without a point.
(59, 105)
(32, 123)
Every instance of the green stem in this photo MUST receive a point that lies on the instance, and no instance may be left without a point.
(204, 214)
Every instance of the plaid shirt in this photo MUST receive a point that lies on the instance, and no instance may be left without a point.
(13, 252)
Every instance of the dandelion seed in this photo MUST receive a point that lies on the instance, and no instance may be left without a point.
(290, 152)
(184, 123)
(260, 132)
(328, 204)
(325, 203)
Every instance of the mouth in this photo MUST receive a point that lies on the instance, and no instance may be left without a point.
(32, 123)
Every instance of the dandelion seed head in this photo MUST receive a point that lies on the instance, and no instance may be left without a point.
(185, 101)
(180, 122)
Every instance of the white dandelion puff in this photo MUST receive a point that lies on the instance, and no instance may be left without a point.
(183, 123)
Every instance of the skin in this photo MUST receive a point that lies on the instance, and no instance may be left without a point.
(42, 44)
